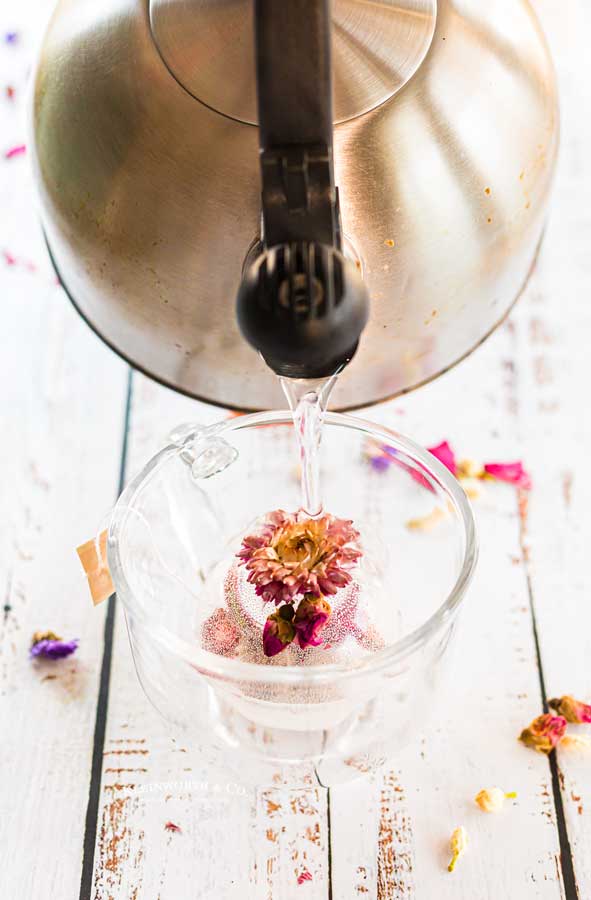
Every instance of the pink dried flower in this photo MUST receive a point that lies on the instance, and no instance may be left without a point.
(444, 453)
(170, 826)
(293, 554)
(544, 733)
(304, 876)
(219, 634)
(279, 630)
(513, 473)
(311, 617)
(573, 710)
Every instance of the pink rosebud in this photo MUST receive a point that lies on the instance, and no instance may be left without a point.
(310, 619)
(572, 710)
(544, 733)
(445, 455)
(219, 634)
(513, 473)
(279, 631)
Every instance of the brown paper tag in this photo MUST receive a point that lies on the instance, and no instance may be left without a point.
(93, 556)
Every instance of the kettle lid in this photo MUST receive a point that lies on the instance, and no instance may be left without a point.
(208, 46)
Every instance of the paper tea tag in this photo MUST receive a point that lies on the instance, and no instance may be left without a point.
(93, 556)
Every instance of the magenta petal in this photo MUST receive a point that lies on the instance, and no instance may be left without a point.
(444, 453)
(513, 473)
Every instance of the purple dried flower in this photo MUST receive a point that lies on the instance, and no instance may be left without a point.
(49, 646)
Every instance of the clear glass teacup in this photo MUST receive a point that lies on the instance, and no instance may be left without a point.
(325, 714)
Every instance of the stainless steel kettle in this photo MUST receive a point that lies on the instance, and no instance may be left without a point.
(146, 153)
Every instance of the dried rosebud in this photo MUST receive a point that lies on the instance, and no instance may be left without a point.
(513, 473)
(444, 453)
(572, 710)
(458, 845)
(49, 645)
(544, 733)
(219, 633)
(279, 630)
(311, 617)
(492, 799)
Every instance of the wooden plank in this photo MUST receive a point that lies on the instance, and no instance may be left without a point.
(398, 844)
(59, 458)
(551, 338)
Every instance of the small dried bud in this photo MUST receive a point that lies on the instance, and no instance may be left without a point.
(544, 733)
(310, 619)
(279, 631)
(458, 845)
(492, 799)
(572, 710)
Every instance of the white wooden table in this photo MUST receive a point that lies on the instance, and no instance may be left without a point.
(88, 774)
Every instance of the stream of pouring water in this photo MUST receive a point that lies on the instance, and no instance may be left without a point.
(308, 399)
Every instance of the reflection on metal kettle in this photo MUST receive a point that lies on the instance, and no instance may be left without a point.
(441, 141)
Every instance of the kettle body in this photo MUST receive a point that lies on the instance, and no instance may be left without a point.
(145, 154)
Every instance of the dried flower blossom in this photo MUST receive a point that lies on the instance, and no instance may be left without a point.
(311, 617)
(544, 733)
(279, 630)
(219, 634)
(492, 799)
(573, 710)
(170, 826)
(293, 554)
(458, 845)
(513, 473)
(48, 645)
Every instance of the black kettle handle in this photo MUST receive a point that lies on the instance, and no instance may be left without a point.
(294, 91)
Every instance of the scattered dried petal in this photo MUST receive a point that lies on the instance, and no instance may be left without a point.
(10, 92)
(575, 742)
(304, 876)
(219, 633)
(573, 710)
(492, 799)
(512, 473)
(544, 733)
(47, 644)
(458, 845)
(11, 37)
(170, 826)
(444, 453)
(18, 150)
(426, 523)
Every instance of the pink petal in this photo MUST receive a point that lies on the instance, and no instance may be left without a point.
(444, 453)
(15, 151)
(513, 473)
